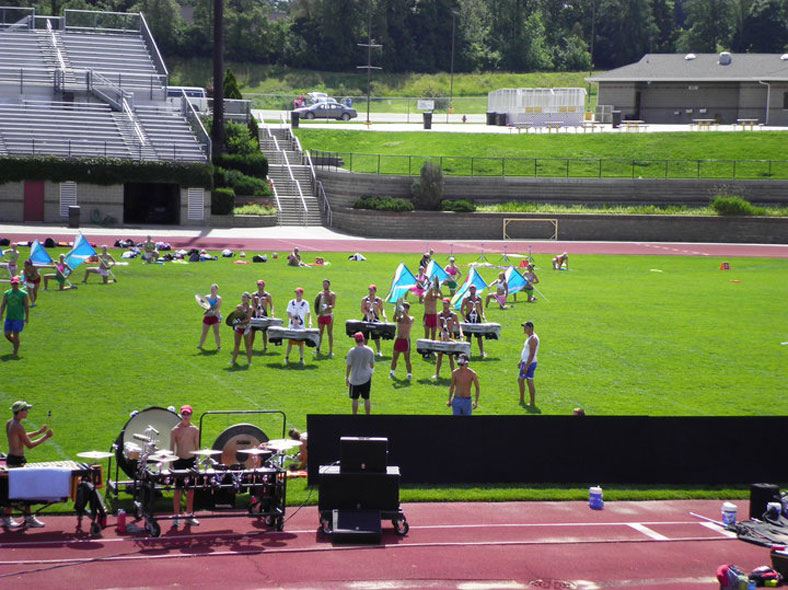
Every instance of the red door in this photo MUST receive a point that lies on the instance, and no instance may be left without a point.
(34, 201)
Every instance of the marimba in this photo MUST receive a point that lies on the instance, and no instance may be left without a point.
(309, 336)
(489, 331)
(424, 347)
(266, 322)
(382, 330)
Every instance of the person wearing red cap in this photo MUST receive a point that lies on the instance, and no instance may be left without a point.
(299, 315)
(448, 320)
(473, 311)
(184, 438)
(372, 311)
(325, 302)
(263, 305)
(360, 365)
(17, 313)
(404, 322)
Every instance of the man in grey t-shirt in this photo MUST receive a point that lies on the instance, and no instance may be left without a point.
(358, 372)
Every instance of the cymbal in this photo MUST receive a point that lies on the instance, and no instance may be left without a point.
(95, 455)
(206, 452)
(164, 452)
(254, 451)
(283, 444)
(162, 458)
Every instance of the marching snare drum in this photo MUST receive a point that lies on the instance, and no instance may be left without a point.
(427, 346)
(383, 330)
(490, 331)
(266, 322)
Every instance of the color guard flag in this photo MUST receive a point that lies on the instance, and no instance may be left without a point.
(516, 281)
(38, 254)
(402, 282)
(81, 251)
(474, 278)
(434, 269)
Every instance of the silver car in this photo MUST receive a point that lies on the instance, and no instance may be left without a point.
(329, 109)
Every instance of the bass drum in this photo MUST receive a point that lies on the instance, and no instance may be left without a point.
(161, 419)
(234, 438)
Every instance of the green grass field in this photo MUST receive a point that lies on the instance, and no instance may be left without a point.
(620, 335)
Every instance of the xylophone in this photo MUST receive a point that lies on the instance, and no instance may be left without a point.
(266, 322)
(382, 330)
(425, 347)
(309, 336)
(489, 331)
(53, 482)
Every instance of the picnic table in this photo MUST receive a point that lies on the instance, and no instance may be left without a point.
(635, 124)
(744, 122)
(553, 125)
(520, 126)
(705, 124)
(592, 125)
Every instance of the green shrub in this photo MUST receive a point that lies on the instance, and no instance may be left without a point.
(459, 206)
(104, 171)
(258, 207)
(239, 139)
(383, 203)
(222, 201)
(249, 164)
(241, 183)
(427, 191)
(731, 205)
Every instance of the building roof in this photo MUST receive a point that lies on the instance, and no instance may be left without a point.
(702, 67)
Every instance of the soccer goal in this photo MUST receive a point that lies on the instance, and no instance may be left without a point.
(527, 228)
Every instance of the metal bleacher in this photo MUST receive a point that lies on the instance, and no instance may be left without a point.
(89, 84)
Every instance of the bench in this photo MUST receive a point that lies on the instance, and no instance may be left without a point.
(550, 125)
(592, 125)
(520, 126)
(744, 122)
(635, 124)
(706, 124)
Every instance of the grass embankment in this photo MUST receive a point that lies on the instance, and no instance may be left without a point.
(526, 207)
(620, 336)
(389, 90)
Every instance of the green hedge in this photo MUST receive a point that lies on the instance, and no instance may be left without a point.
(384, 203)
(724, 205)
(241, 183)
(104, 171)
(249, 164)
(459, 206)
(222, 201)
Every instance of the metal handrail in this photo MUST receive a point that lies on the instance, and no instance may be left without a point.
(297, 185)
(151, 42)
(127, 110)
(319, 191)
(115, 101)
(194, 121)
(53, 40)
(273, 186)
(125, 16)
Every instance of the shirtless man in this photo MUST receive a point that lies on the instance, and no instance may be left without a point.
(431, 298)
(460, 389)
(105, 262)
(473, 313)
(18, 441)
(325, 302)
(263, 305)
(560, 260)
(184, 438)
(532, 279)
(404, 322)
(372, 311)
(447, 320)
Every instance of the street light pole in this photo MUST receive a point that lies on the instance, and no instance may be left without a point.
(369, 67)
(451, 76)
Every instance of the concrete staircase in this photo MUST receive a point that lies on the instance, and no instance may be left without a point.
(287, 189)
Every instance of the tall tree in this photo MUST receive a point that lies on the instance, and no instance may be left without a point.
(710, 25)
(764, 28)
(625, 32)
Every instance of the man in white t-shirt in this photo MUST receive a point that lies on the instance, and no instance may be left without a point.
(528, 363)
(299, 316)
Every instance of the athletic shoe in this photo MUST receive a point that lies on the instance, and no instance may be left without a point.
(330, 355)
(301, 362)
(199, 348)
(484, 355)
(391, 374)
(434, 377)
(9, 523)
(410, 376)
(192, 521)
(284, 362)
(380, 355)
(32, 522)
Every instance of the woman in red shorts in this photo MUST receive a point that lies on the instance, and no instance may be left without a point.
(243, 329)
(325, 302)
(32, 281)
(212, 317)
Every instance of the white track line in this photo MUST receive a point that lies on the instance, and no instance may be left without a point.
(652, 534)
(718, 529)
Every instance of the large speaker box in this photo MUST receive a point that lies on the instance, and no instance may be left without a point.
(363, 453)
(340, 490)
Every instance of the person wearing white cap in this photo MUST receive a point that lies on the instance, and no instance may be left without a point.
(462, 379)
(18, 441)
(17, 310)
(299, 314)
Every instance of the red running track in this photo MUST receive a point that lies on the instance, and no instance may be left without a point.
(462, 546)
(492, 249)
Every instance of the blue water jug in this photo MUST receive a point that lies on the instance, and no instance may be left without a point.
(595, 501)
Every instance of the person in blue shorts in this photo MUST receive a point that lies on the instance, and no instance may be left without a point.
(462, 378)
(17, 313)
(528, 363)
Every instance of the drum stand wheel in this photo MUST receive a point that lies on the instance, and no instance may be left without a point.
(325, 525)
(401, 526)
(95, 530)
(152, 527)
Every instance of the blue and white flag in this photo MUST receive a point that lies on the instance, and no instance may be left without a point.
(403, 281)
(474, 278)
(81, 251)
(516, 281)
(38, 254)
(435, 270)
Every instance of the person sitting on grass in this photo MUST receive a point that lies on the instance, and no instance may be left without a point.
(150, 253)
(532, 279)
(302, 456)
(62, 271)
(501, 291)
(105, 262)
(561, 260)
(294, 259)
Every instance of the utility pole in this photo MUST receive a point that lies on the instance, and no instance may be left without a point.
(450, 110)
(369, 45)
(217, 131)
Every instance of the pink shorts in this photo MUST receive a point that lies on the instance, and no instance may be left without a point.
(210, 320)
(430, 320)
(401, 345)
(324, 320)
